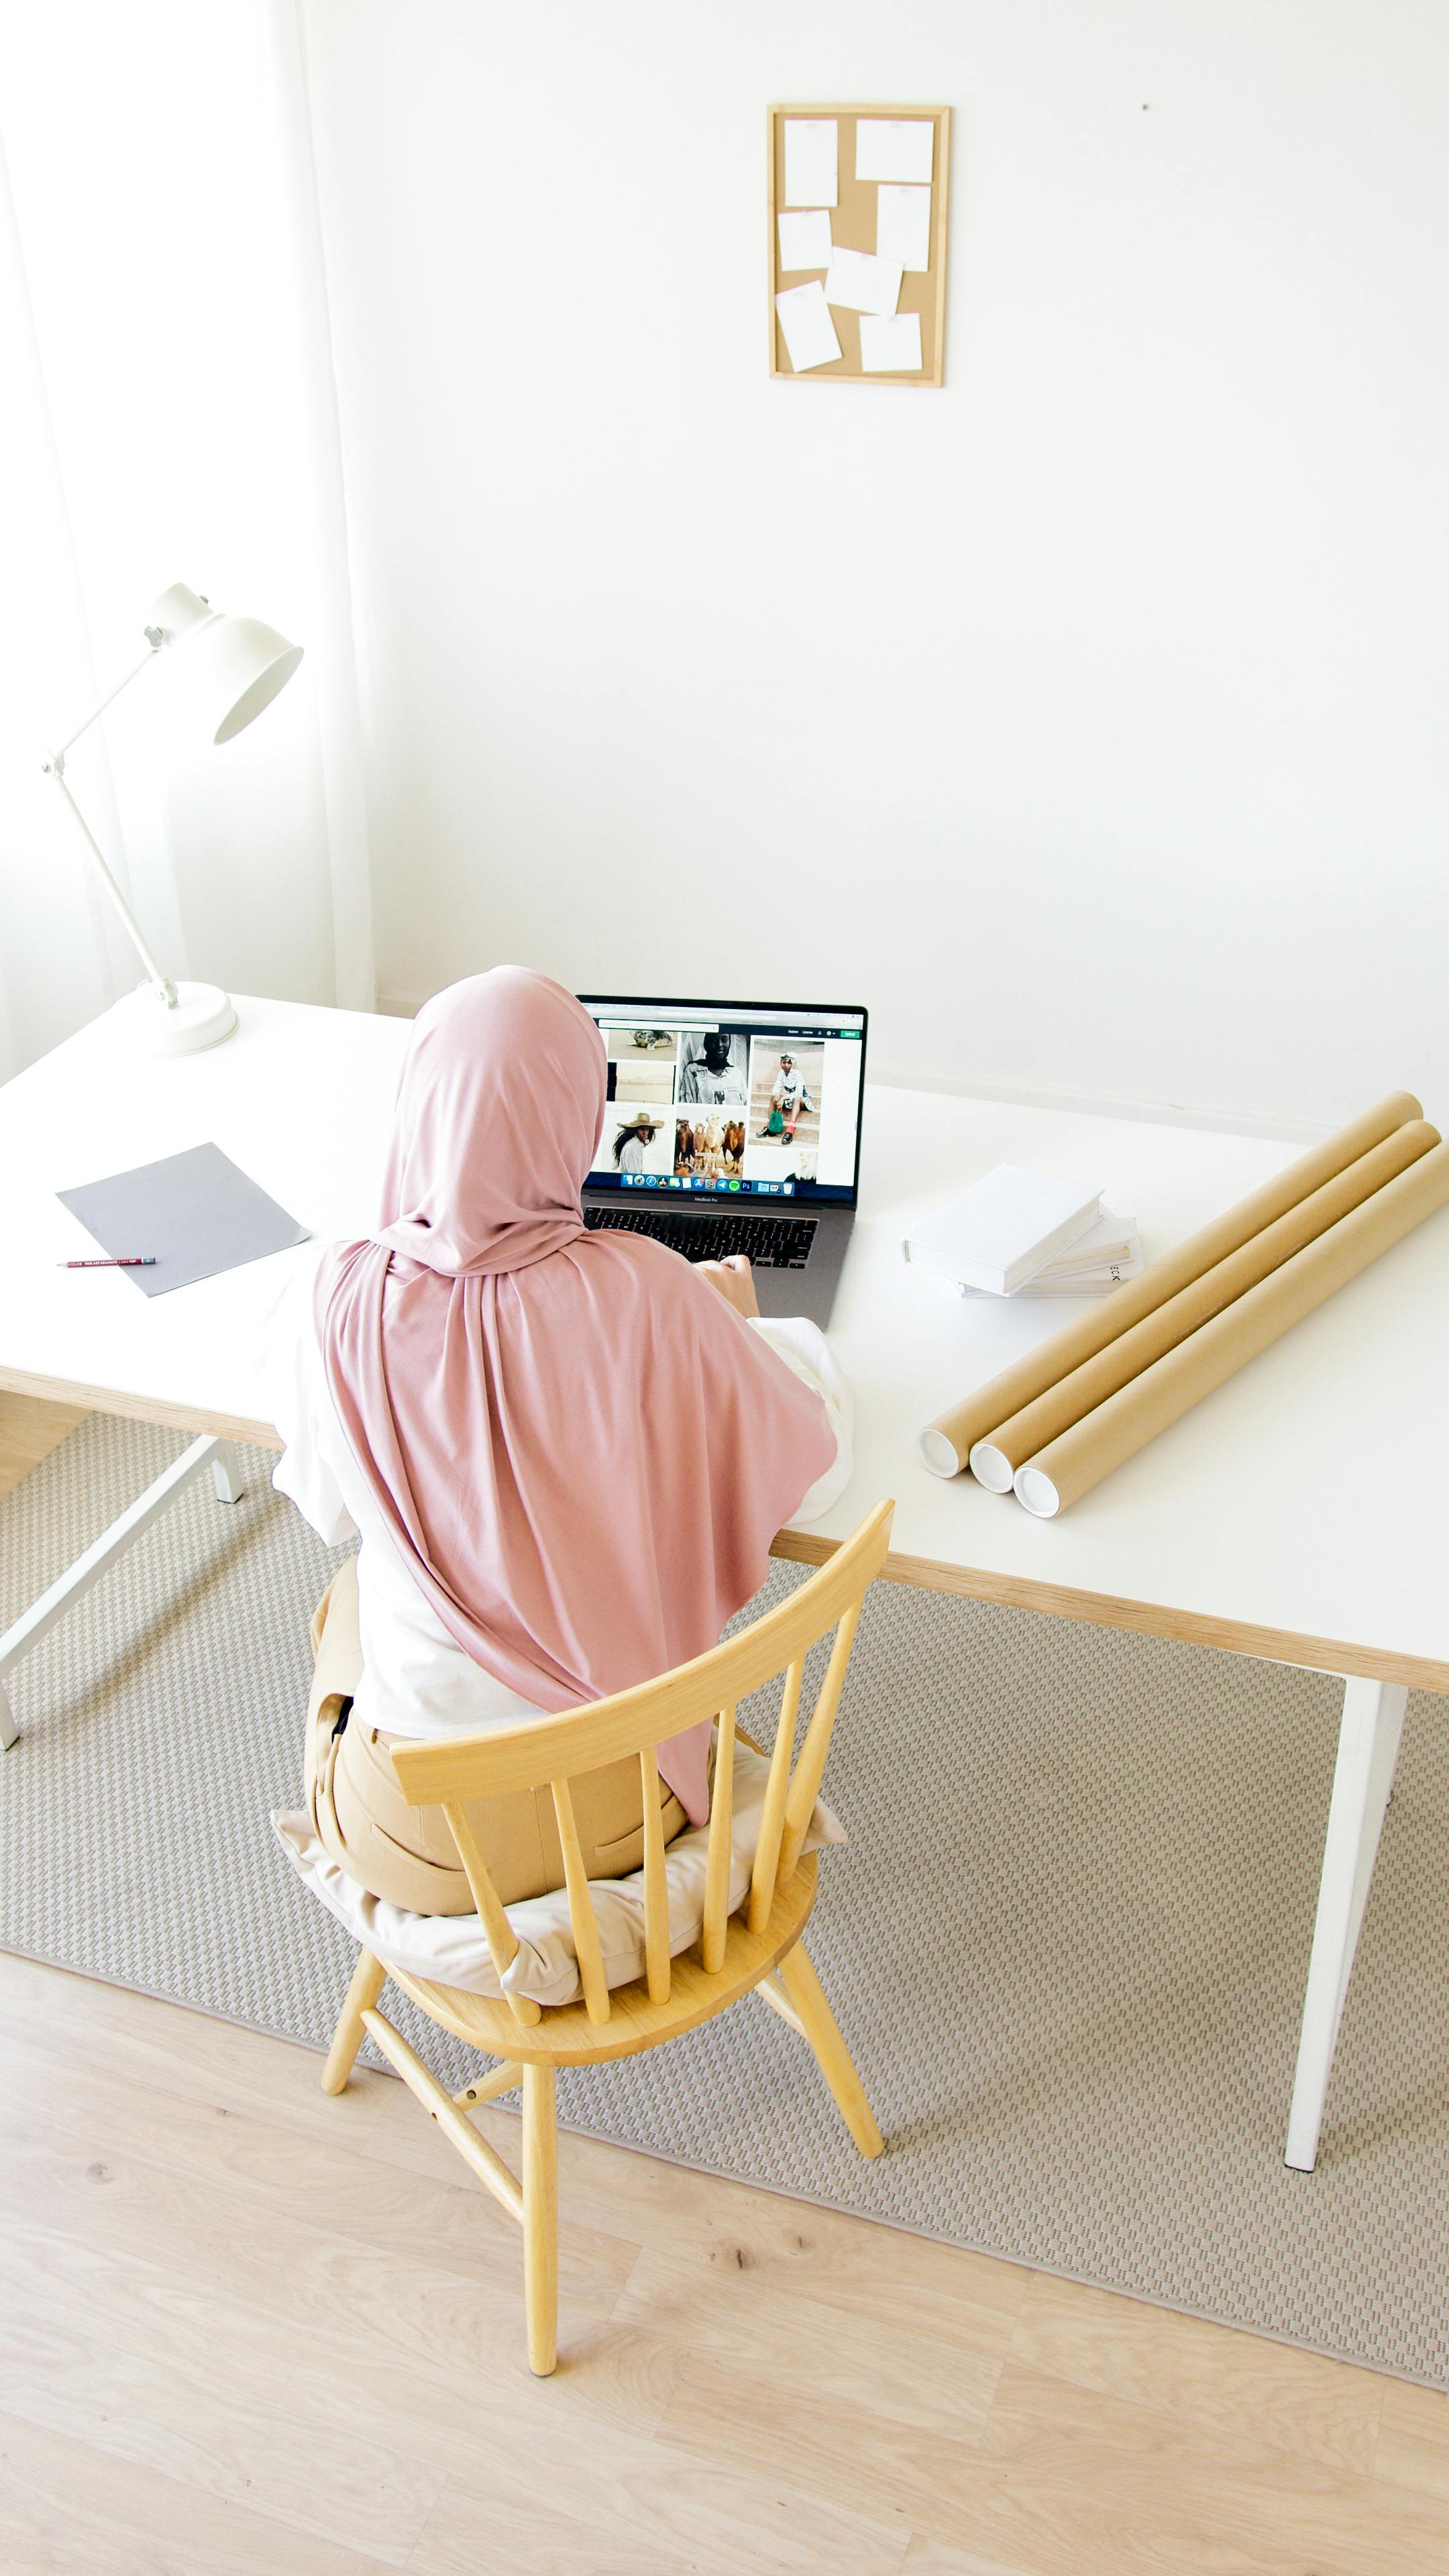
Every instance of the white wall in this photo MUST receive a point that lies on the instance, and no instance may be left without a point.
(1085, 718)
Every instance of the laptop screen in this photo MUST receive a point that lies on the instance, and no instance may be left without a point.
(745, 1099)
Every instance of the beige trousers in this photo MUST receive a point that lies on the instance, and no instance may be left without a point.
(407, 1855)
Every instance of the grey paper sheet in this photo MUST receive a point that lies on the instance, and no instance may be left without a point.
(196, 1211)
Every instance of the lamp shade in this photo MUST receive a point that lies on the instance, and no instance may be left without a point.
(229, 667)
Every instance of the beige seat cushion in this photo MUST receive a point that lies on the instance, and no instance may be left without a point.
(449, 1949)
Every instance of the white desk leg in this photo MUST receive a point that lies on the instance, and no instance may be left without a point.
(226, 1473)
(1368, 1750)
(87, 1570)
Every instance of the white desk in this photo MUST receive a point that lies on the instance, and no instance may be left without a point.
(1301, 1514)
(301, 1098)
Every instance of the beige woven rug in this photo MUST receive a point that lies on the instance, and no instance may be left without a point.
(1067, 1944)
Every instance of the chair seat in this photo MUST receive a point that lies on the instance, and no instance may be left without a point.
(566, 2037)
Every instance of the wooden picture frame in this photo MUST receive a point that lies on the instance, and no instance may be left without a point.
(853, 222)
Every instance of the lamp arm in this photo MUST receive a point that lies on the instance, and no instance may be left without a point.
(153, 648)
(162, 981)
(54, 767)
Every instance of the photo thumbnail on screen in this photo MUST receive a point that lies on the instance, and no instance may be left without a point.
(787, 1091)
(713, 1068)
(709, 1146)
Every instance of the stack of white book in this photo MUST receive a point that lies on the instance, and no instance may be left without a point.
(1020, 1233)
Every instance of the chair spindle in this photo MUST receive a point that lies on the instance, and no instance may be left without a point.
(717, 1863)
(772, 1816)
(581, 1907)
(498, 1932)
(656, 1884)
(810, 1769)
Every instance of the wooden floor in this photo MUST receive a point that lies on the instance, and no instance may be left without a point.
(248, 2330)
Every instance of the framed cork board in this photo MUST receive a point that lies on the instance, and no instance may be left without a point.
(858, 203)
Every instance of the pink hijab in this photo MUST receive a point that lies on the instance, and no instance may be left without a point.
(582, 1453)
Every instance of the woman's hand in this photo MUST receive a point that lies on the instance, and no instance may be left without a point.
(734, 1280)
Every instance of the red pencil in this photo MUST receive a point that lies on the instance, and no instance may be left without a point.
(123, 1261)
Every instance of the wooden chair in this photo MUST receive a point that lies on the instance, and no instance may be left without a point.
(761, 1951)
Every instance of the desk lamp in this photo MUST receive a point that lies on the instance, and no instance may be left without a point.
(228, 669)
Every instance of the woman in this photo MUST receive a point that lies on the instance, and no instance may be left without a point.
(632, 1137)
(565, 1453)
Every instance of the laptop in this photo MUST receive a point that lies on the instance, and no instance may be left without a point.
(734, 1127)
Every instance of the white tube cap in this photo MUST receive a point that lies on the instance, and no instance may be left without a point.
(1038, 1493)
(991, 1468)
(938, 1454)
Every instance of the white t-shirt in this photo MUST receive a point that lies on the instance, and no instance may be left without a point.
(724, 1090)
(417, 1680)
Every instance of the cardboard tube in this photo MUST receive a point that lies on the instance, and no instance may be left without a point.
(946, 1443)
(1069, 1467)
(996, 1460)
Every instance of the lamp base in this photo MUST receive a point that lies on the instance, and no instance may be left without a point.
(203, 1016)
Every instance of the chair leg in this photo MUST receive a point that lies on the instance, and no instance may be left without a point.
(368, 1979)
(806, 1993)
(540, 2217)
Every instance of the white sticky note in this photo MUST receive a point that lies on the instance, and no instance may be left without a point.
(867, 284)
(805, 321)
(890, 343)
(903, 226)
(894, 147)
(810, 161)
(805, 240)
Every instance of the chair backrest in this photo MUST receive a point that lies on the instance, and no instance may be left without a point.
(550, 1751)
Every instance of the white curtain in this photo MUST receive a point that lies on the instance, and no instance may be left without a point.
(169, 414)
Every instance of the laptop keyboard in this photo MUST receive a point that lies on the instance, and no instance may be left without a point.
(772, 1243)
